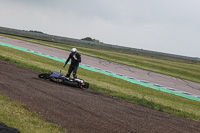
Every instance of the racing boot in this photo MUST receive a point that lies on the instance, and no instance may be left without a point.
(74, 75)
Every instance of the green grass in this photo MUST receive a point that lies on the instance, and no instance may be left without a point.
(18, 116)
(119, 88)
(177, 68)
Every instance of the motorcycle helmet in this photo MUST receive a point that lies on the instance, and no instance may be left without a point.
(74, 50)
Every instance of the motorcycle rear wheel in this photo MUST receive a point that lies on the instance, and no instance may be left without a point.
(44, 75)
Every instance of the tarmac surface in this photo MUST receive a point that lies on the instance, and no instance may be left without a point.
(167, 81)
(85, 111)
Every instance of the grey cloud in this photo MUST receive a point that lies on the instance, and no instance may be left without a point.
(147, 24)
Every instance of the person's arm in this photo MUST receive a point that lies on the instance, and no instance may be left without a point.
(67, 61)
(79, 58)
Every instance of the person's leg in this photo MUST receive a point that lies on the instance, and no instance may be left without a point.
(69, 71)
(75, 71)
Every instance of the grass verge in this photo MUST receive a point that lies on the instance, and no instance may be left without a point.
(119, 88)
(177, 68)
(18, 116)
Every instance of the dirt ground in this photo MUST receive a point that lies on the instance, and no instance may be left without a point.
(85, 111)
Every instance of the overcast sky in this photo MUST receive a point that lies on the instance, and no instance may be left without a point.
(170, 26)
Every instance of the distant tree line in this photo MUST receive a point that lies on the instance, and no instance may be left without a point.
(90, 39)
(35, 31)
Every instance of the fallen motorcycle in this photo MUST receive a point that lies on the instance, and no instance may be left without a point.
(58, 77)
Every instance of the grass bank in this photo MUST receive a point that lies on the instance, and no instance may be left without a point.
(119, 88)
(18, 116)
(177, 68)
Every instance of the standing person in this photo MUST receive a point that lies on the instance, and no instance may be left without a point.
(75, 60)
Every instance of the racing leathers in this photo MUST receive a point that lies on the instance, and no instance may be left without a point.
(75, 60)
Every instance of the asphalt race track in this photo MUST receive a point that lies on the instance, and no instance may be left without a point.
(168, 81)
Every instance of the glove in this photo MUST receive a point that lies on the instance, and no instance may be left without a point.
(74, 57)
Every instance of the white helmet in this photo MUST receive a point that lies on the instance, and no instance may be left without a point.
(74, 50)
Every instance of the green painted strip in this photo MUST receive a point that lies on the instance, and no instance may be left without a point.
(109, 73)
(31, 51)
